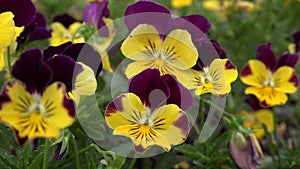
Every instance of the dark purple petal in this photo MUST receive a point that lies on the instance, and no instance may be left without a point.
(40, 20)
(246, 71)
(179, 95)
(23, 10)
(32, 71)
(22, 141)
(296, 36)
(294, 79)
(183, 123)
(64, 69)
(220, 51)
(70, 106)
(94, 13)
(115, 105)
(288, 59)
(148, 12)
(53, 50)
(64, 19)
(265, 54)
(254, 103)
(150, 88)
(80, 52)
(196, 25)
(39, 33)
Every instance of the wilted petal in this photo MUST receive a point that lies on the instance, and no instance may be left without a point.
(148, 12)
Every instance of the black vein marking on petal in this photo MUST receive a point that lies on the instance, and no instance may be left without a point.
(25, 101)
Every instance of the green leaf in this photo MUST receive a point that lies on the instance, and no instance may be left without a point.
(7, 159)
(36, 162)
(168, 160)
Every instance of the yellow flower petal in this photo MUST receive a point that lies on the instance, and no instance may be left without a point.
(7, 29)
(53, 101)
(106, 63)
(126, 109)
(283, 77)
(180, 50)
(2, 58)
(254, 74)
(85, 82)
(171, 123)
(59, 34)
(75, 36)
(142, 43)
(230, 72)
(268, 95)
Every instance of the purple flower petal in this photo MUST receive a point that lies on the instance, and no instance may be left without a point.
(296, 36)
(31, 70)
(179, 95)
(265, 54)
(148, 12)
(222, 54)
(288, 59)
(23, 10)
(87, 54)
(196, 25)
(94, 13)
(64, 69)
(150, 88)
(254, 103)
(39, 33)
(64, 19)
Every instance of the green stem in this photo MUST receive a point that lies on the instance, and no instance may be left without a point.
(46, 153)
(8, 60)
(76, 153)
(202, 113)
(132, 162)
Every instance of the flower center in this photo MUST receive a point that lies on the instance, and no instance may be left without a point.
(269, 81)
(36, 107)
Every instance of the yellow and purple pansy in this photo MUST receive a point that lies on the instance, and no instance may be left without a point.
(96, 14)
(166, 44)
(270, 79)
(152, 112)
(216, 75)
(257, 117)
(64, 29)
(32, 103)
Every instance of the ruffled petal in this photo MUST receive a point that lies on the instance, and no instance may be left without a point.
(142, 43)
(254, 73)
(265, 54)
(126, 109)
(285, 80)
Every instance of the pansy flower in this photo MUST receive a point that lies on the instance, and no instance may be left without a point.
(270, 79)
(257, 117)
(80, 76)
(165, 43)
(245, 151)
(96, 14)
(152, 114)
(31, 103)
(64, 29)
(216, 76)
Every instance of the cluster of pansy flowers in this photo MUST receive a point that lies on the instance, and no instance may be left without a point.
(168, 64)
